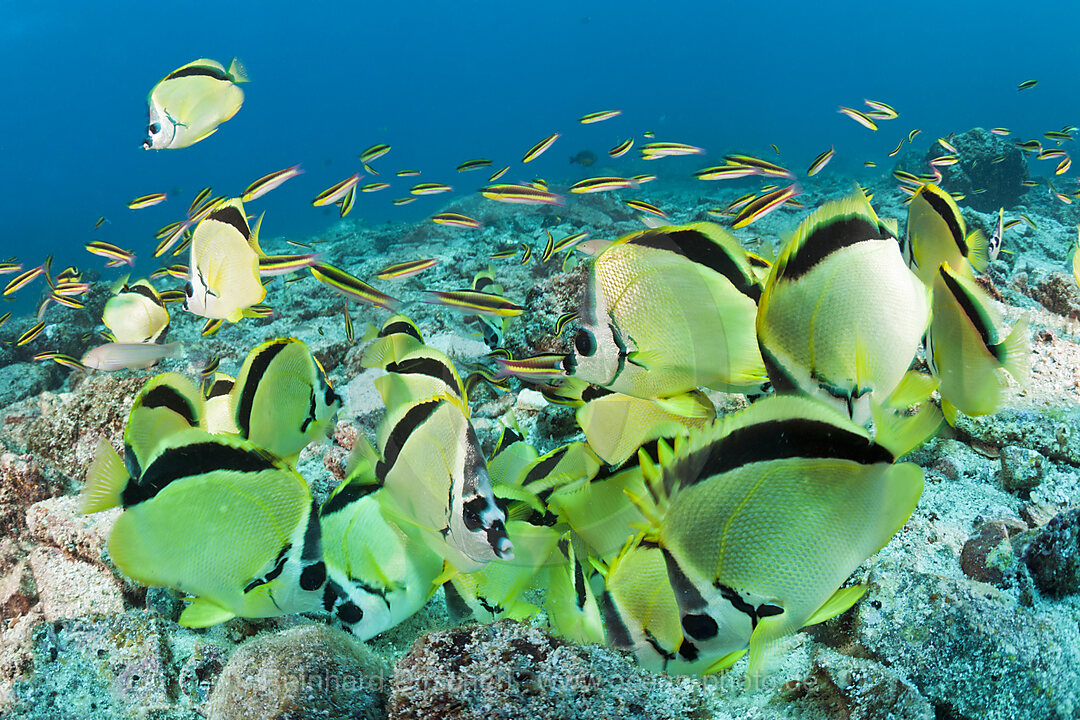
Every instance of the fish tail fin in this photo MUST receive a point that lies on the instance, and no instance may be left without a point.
(105, 480)
(1015, 352)
(978, 250)
(238, 72)
(900, 434)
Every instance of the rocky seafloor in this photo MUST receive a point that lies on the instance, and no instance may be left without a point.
(973, 610)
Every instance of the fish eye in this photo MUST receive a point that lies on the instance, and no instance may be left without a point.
(188, 290)
(154, 128)
(585, 343)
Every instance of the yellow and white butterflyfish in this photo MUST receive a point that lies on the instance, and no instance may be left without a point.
(378, 574)
(937, 233)
(436, 479)
(136, 314)
(282, 400)
(224, 265)
(215, 517)
(189, 103)
(668, 310)
(764, 516)
(841, 316)
(965, 351)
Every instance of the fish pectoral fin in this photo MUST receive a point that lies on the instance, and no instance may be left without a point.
(203, 613)
(840, 602)
(724, 662)
(978, 250)
(687, 405)
(645, 359)
(900, 434)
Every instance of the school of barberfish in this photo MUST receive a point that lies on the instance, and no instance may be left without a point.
(658, 533)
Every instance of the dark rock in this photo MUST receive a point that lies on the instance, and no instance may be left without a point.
(1053, 555)
(509, 670)
(1021, 468)
(988, 556)
(311, 671)
(850, 688)
(999, 181)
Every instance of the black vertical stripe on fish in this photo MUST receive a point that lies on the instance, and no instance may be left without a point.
(618, 635)
(312, 549)
(580, 596)
(697, 247)
(346, 496)
(254, 377)
(687, 595)
(310, 417)
(198, 458)
(146, 292)
(482, 282)
(782, 381)
(826, 238)
(413, 419)
(197, 70)
(219, 388)
(542, 469)
(775, 440)
(279, 565)
(231, 215)
(313, 576)
(430, 366)
(942, 208)
(169, 397)
(509, 437)
(401, 327)
(972, 310)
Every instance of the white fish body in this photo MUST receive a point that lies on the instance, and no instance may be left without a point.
(191, 102)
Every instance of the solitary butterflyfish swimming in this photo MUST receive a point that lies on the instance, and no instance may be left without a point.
(191, 102)
(841, 316)
(136, 314)
(224, 265)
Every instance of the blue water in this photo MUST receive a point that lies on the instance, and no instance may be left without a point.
(444, 82)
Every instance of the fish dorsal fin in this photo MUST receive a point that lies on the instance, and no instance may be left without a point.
(238, 72)
(832, 227)
(776, 427)
(706, 244)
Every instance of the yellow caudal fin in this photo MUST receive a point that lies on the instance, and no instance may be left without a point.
(203, 613)
(1015, 352)
(978, 250)
(900, 434)
(238, 72)
(105, 480)
(914, 388)
(840, 601)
